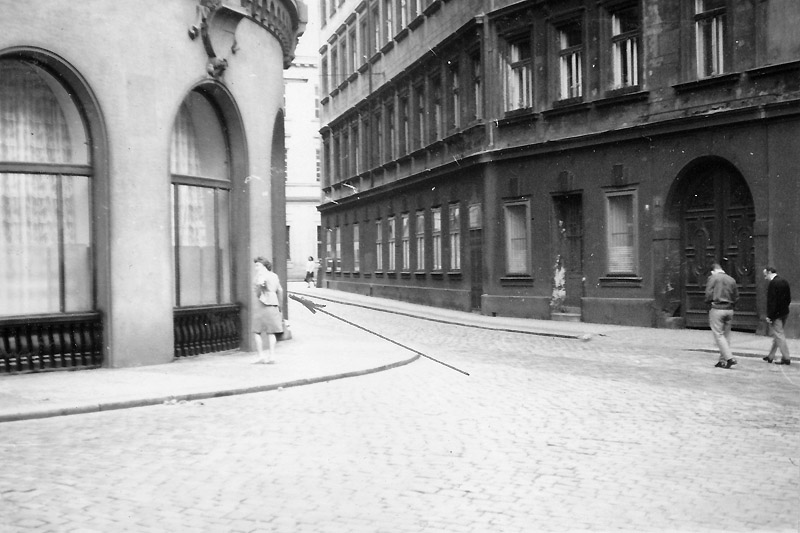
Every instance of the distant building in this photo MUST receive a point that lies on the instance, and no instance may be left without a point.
(141, 170)
(303, 158)
(570, 159)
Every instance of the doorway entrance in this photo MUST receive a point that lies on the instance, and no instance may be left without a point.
(568, 248)
(717, 219)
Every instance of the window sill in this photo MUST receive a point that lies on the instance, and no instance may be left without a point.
(356, 274)
(632, 281)
(346, 273)
(454, 275)
(416, 23)
(567, 107)
(402, 34)
(363, 68)
(420, 274)
(433, 8)
(391, 275)
(705, 83)
(622, 96)
(386, 47)
(378, 273)
(375, 57)
(771, 70)
(342, 85)
(516, 281)
(438, 274)
(352, 77)
(405, 275)
(517, 116)
(325, 100)
(334, 92)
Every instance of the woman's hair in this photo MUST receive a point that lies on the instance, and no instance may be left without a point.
(264, 261)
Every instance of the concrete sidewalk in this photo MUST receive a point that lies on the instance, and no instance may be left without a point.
(306, 359)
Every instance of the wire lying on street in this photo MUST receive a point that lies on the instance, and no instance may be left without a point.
(314, 307)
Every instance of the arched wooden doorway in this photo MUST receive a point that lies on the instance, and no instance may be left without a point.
(716, 216)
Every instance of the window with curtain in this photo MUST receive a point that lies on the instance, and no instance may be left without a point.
(406, 243)
(378, 245)
(436, 237)
(517, 240)
(45, 195)
(570, 58)
(625, 29)
(199, 167)
(517, 63)
(621, 232)
(455, 236)
(392, 243)
(420, 234)
(710, 22)
(356, 248)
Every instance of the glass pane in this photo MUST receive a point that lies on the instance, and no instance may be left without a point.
(199, 146)
(224, 243)
(620, 234)
(29, 278)
(39, 121)
(197, 258)
(516, 239)
(77, 243)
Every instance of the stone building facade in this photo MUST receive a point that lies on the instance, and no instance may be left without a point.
(574, 159)
(141, 171)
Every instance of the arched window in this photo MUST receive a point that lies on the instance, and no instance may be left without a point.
(200, 170)
(45, 195)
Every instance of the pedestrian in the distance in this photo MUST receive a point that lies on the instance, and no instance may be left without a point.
(722, 293)
(779, 295)
(267, 317)
(311, 266)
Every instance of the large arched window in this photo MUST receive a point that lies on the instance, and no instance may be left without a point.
(200, 170)
(45, 195)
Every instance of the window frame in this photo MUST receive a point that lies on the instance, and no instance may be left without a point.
(454, 231)
(436, 239)
(633, 224)
(518, 71)
(571, 58)
(720, 58)
(523, 204)
(419, 232)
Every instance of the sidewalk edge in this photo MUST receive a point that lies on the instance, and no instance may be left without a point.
(145, 402)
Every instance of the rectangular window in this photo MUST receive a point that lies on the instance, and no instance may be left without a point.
(436, 237)
(405, 243)
(402, 13)
(388, 19)
(453, 94)
(375, 14)
(455, 236)
(355, 149)
(388, 152)
(435, 86)
(377, 145)
(356, 248)
(329, 250)
(363, 24)
(319, 164)
(334, 66)
(476, 105)
(337, 239)
(392, 243)
(419, 116)
(625, 30)
(710, 37)
(344, 57)
(378, 245)
(517, 238)
(288, 243)
(621, 232)
(518, 68)
(570, 58)
(345, 152)
(352, 45)
(420, 234)
(405, 126)
(323, 74)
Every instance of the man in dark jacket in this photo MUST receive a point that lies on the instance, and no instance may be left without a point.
(722, 293)
(779, 296)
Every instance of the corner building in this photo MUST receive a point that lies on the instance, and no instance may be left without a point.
(571, 159)
(141, 153)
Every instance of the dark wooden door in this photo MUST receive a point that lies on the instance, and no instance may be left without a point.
(569, 247)
(718, 218)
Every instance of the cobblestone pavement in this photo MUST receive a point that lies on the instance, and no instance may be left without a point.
(543, 435)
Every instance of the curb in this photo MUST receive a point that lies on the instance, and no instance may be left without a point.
(147, 402)
(442, 320)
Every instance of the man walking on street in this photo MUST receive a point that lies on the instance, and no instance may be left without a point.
(779, 296)
(722, 293)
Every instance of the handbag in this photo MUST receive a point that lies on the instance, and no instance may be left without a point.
(286, 335)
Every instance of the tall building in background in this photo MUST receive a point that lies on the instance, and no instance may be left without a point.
(141, 170)
(303, 151)
(561, 159)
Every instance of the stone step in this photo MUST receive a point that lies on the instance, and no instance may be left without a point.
(566, 317)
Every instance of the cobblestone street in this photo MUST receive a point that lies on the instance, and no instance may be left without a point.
(545, 434)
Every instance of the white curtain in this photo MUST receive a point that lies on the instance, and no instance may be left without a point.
(33, 129)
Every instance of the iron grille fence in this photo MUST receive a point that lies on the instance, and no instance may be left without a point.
(205, 329)
(51, 342)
